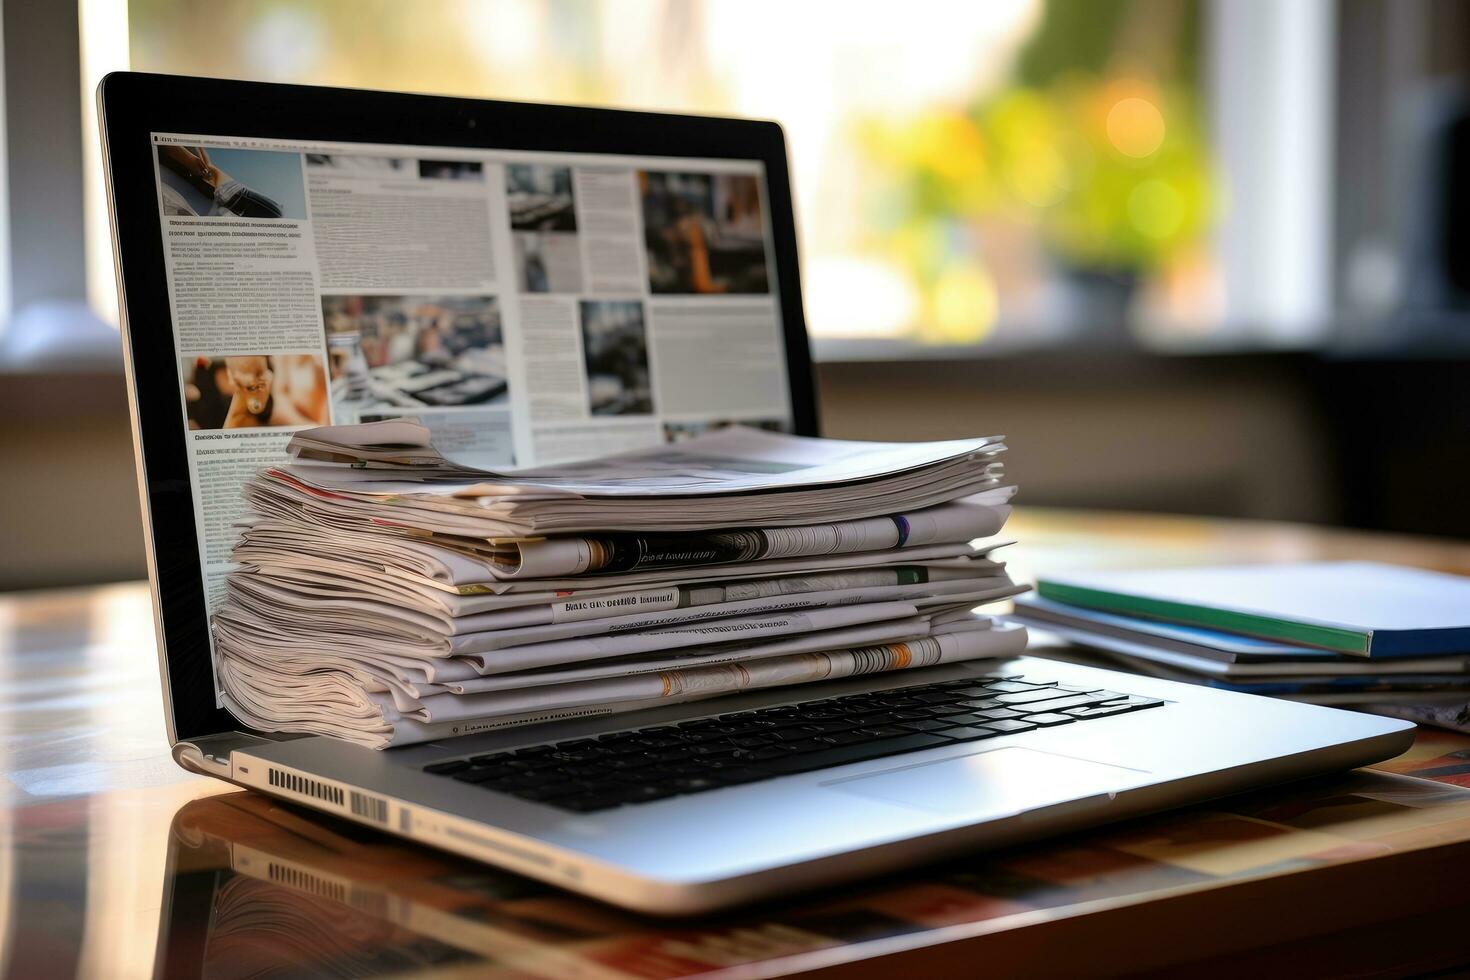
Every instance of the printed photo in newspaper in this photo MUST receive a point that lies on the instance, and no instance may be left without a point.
(410, 352)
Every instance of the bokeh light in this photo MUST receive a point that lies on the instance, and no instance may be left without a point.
(965, 304)
(1156, 209)
(1135, 127)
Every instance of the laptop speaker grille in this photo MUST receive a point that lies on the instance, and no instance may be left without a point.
(305, 786)
(307, 882)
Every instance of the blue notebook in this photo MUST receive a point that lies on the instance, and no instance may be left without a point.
(1361, 608)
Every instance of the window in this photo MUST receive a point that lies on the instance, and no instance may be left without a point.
(1009, 172)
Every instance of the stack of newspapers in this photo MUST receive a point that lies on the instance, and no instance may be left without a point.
(388, 595)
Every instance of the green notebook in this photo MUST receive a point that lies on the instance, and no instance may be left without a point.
(1361, 608)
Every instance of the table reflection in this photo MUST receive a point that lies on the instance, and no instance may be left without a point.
(114, 862)
(240, 885)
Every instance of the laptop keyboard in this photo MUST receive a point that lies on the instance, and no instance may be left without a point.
(585, 775)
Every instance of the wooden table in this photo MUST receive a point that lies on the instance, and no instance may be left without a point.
(114, 862)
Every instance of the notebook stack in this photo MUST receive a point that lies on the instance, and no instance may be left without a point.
(386, 594)
(1389, 638)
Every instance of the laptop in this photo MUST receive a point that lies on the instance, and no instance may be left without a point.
(538, 283)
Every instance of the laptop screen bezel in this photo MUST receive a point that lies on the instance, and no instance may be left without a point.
(133, 106)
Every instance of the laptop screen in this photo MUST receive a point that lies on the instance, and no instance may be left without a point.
(527, 307)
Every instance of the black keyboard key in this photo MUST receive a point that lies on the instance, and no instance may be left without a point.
(1070, 701)
(626, 763)
(806, 745)
(652, 776)
(887, 731)
(937, 697)
(593, 803)
(844, 738)
(547, 794)
(647, 793)
(845, 754)
(693, 784)
(971, 718)
(1014, 687)
(715, 751)
(996, 714)
(782, 724)
(868, 718)
(658, 742)
(945, 710)
(532, 750)
(976, 691)
(770, 752)
(982, 682)
(1119, 708)
(925, 725)
(910, 714)
(710, 749)
(792, 735)
(979, 704)
(1026, 697)
(1006, 726)
(447, 768)
(828, 727)
(736, 775)
(1049, 719)
(531, 780)
(485, 774)
(745, 729)
(691, 738)
(701, 725)
(826, 714)
(969, 734)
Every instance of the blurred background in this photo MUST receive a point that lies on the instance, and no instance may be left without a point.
(1191, 256)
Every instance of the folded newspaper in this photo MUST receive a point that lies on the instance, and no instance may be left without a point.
(388, 594)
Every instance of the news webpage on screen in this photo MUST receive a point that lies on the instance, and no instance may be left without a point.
(528, 308)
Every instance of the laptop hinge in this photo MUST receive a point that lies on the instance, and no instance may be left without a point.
(210, 755)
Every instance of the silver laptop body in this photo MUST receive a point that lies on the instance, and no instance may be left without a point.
(713, 846)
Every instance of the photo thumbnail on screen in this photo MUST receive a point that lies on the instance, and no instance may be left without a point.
(451, 170)
(547, 261)
(359, 165)
(540, 198)
(684, 431)
(211, 182)
(615, 345)
(703, 233)
(243, 391)
(414, 351)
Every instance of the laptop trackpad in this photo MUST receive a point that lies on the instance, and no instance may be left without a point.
(1000, 780)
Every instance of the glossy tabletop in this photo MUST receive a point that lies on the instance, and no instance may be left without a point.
(114, 862)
